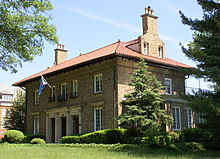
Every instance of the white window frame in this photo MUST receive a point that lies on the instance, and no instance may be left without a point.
(100, 83)
(146, 48)
(53, 92)
(175, 123)
(189, 117)
(200, 117)
(171, 90)
(98, 119)
(61, 90)
(75, 88)
(160, 51)
(3, 116)
(36, 97)
(36, 125)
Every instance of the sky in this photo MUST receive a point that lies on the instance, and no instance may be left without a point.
(83, 26)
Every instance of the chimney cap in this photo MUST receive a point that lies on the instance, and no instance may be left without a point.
(60, 46)
(148, 10)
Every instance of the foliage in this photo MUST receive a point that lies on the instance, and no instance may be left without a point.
(187, 146)
(196, 135)
(204, 50)
(107, 136)
(29, 137)
(143, 107)
(13, 136)
(15, 119)
(37, 141)
(24, 28)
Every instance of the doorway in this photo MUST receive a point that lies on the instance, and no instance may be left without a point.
(75, 124)
(63, 125)
(52, 130)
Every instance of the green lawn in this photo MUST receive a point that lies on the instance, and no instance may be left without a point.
(92, 151)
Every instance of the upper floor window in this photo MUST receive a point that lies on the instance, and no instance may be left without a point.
(168, 85)
(75, 88)
(36, 125)
(160, 51)
(176, 118)
(146, 48)
(189, 117)
(7, 97)
(98, 119)
(63, 90)
(36, 97)
(98, 83)
(53, 93)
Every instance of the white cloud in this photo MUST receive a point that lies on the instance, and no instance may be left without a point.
(171, 7)
(101, 19)
(169, 38)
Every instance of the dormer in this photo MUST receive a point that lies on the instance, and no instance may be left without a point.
(150, 43)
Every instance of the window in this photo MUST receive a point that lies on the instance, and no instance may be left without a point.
(63, 90)
(7, 97)
(98, 83)
(176, 118)
(168, 85)
(146, 48)
(160, 51)
(189, 117)
(75, 88)
(200, 117)
(53, 93)
(98, 119)
(36, 125)
(36, 97)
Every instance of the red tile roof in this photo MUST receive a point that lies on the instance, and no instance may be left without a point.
(117, 48)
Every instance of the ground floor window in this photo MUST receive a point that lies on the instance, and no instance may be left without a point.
(176, 118)
(98, 119)
(200, 118)
(189, 117)
(36, 125)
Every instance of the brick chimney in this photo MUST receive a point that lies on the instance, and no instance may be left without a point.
(150, 43)
(149, 21)
(60, 54)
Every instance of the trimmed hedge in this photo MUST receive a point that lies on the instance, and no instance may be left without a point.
(37, 141)
(107, 136)
(187, 146)
(29, 137)
(13, 136)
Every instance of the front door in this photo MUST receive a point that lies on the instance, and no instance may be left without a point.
(76, 124)
(63, 122)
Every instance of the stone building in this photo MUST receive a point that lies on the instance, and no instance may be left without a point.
(86, 90)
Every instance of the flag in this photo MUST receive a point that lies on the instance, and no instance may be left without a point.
(43, 83)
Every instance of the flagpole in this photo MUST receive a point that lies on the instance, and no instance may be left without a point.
(46, 81)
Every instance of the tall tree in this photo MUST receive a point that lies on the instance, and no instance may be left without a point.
(205, 51)
(15, 118)
(143, 107)
(205, 47)
(24, 26)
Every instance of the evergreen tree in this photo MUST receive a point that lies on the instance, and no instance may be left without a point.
(24, 27)
(205, 51)
(143, 107)
(15, 118)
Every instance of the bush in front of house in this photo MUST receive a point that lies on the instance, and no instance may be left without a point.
(196, 135)
(29, 137)
(107, 136)
(13, 136)
(37, 141)
(70, 139)
(187, 146)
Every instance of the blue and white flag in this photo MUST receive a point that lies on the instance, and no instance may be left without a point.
(43, 83)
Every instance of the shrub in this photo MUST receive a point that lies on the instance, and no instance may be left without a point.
(70, 139)
(37, 141)
(29, 137)
(107, 136)
(196, 135)
(13, 136)
(187, 146)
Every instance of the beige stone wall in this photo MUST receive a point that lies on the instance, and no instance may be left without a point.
(86, 99)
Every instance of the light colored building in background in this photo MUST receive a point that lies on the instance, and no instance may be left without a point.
(7, 95)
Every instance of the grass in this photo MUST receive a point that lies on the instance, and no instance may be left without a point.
(93, 151)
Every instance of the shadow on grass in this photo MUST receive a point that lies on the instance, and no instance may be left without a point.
(145, 151)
